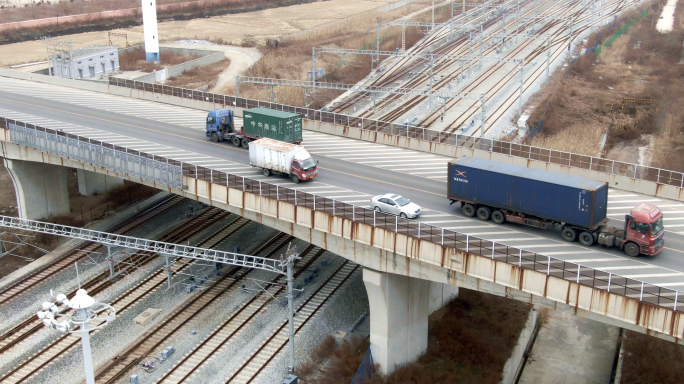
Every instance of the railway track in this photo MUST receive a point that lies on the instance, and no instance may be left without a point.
(511, 99)
(558, 47)
(458, 48)
(439, 84)
(12, 291)
(184, 370)
(268, 350)
(168, 327)
(405, 65)
(47, 355)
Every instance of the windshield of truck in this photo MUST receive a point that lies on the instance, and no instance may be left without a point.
(210, 120)
(403, 201)
(308, 164)
(657, 226)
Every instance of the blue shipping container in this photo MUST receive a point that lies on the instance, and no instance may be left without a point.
(549, 195)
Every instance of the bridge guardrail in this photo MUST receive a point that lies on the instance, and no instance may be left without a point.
(611, 167)
(31, 135)
(99, 153)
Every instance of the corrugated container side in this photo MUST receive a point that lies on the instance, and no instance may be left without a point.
(584, 208)
(269, 158)
(277, 125)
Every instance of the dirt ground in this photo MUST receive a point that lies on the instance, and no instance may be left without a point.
(232, 29)
(649, 360)
(207, 75)
(469, 341)
(135, 61)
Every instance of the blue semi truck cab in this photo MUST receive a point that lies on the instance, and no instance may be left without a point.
(220, 123)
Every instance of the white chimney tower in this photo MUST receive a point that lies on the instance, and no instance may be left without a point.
(149, 10)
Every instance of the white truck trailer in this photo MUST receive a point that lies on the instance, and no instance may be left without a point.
(280, 158)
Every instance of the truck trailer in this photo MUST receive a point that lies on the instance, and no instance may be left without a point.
(280, 158)
(257, 123)
(548, 200)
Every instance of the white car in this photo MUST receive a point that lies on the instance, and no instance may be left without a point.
(396, 205)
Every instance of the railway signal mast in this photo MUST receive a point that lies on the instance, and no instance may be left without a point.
(88, 311)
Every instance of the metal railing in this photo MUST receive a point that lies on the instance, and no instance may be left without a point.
(150, 167)
(611, 167)
(575, 272)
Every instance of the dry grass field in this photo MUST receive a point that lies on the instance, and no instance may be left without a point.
(231, 29)
(292, 58)
(469, 341)
(588, 101)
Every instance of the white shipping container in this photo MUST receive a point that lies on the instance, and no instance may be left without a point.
(275, 155)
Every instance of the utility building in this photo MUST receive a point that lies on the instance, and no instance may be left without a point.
(85, 63)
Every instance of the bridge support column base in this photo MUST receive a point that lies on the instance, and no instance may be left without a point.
(440, 295)
(41, 189)
(93, 183)
(399, 308)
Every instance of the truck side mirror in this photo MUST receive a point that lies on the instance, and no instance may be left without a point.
(317, 162)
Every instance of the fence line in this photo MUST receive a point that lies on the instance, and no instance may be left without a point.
(595, 278)
(99, 153)
(611, 167)
(621, 31)
(365, 370)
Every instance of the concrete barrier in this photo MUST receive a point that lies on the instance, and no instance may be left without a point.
(631, 184)
(514, 364)
(532, 159)
(207, 57)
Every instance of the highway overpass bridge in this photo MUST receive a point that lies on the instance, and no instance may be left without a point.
(45, 129)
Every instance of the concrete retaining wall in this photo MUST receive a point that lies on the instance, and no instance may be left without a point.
(207, 57)
(514, 363)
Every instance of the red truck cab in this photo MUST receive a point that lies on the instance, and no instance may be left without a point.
(644, 227)
(304, 167)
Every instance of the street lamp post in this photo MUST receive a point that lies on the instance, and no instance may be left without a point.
(75, 316)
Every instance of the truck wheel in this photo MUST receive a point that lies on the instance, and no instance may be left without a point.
(586, 239)
(295, 179)
(468, 210)
(632, 249)
(267, 172)
(484, 213)
(245, 143)
(569, 234)
(498, 217)
(236, 141)
(214, 137)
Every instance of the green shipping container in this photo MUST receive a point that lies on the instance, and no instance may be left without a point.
(276, 125)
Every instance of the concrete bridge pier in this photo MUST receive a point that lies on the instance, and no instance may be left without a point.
(399, 309)
(41, 189)
(93, 183)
